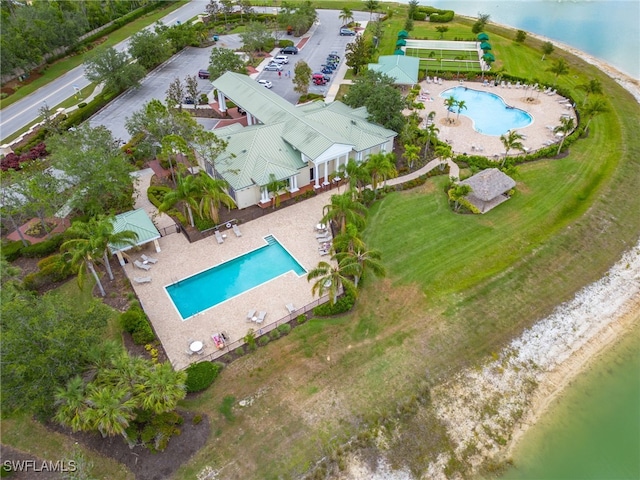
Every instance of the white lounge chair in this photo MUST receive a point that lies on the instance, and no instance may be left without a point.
(219, 238)
(261, 316)
(142, 279)
(141, 265)
(148, 259)
(250, 315)
(290, 307)
(236, 230)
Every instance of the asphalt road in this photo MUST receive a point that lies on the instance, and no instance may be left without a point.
(25, 111)
(324, 39)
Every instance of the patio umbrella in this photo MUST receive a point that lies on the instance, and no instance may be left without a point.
(485, 46)
(398, 52)
(489, 57)
(483, 36)
(403, 34)
(401, 43)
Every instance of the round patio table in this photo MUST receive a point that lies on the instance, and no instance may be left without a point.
(195, 346)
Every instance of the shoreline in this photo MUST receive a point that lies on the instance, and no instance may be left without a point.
(553, 384)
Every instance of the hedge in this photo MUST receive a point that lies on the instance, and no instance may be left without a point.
(43, 249)
(135, 321)
(11, 251)
(202, 374)
(343, 304)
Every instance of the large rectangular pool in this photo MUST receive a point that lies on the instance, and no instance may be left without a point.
(206, 289)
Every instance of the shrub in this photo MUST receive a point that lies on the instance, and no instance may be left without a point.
(274, 334)
(263, 340)
(301, 318)
(197, 419)
(420, 16)
(55, 268)
(343, 304)
(12, 250)
(135, 321)
(200, 375)
(43, 249)
(284, 328)
(143, 335)
(82, 104)
(156, 195)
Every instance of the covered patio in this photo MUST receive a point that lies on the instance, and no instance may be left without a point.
(139, 222)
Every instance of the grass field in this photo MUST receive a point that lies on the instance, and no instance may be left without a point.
(458, 288)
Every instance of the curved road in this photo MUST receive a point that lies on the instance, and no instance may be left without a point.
(25, 111)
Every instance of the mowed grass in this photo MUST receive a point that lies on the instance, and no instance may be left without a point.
(459, 287)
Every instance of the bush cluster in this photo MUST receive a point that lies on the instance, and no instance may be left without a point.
(202, 374)
(135, 322)
(43, 249)
(13, 160)
(343, 304)
(154, 430)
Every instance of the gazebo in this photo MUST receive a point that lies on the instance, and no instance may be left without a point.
(137, 221)
(399, 51)
(485, 46)
(488, 188)
(483, 37)
(403, 34)
(401, 43)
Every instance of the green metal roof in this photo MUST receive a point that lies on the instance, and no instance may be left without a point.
(276, 146)
(137, 221)
(403, 69)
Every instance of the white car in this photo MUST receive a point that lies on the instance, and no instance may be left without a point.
(266, 83)
(280, 59)
(276, 67)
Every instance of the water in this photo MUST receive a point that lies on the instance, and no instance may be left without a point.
(222, 282)
(489, 113)
(593, 431)
(605, 29)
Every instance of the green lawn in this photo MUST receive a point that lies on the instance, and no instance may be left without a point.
(458, 288)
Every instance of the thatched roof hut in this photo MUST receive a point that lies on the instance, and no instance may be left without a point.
(488, 188)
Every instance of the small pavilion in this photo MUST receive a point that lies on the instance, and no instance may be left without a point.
(137, 221)
(489, 188)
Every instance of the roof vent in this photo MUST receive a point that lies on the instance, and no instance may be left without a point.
(353, 122)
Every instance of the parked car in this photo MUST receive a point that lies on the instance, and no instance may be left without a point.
(318, 79)
(321, 75)
(327, 70)
(266, 83)
(280, 59)
(289, 50)
(273, 67)
(347, 31)
(203, 73)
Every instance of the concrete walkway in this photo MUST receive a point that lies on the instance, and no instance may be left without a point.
(454, 172)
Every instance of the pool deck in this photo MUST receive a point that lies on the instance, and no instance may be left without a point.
(293, 227)
(546, 111)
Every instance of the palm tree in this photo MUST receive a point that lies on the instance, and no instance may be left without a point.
(83, 256)
(411, 154)
(371, 6)
(450, 103)
(329, 278)
(462, 105)
(346, 15)
(566, 127)
(444, 152)
(344, 209)
(366, 260)
(99, 232)
(559, 67)
(276, 187)
(214, 195)
(70, 404)
(381, 165)
(163, 388)
(457, 192)
(357, 175)
(432, 131)
(594, 108)
(187, 191)
(592, 86)
(348, 241)
(111, 408)
(511, 141)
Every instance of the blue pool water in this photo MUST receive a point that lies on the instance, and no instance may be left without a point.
(220, 283)
(489, 113)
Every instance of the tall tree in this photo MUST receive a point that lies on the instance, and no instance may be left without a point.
(442, 29)
(381, 166)
(432, 132)
(593, 86)
(99, 232)
(593, 109)
(276, 188)
(342, 210)
(114, 69)
(175, 94)
(371, 6)
(521, 36)
(346, 15)
(149, 48)
(547, 49)
(461, 105)
(213, 196)
(330, 277)
(358, 54)
(187, 191)
(349, 241)
(192, 89)
(256, 38)
(451, 103)
(566, 126)
(208, 146)
(223, 60)
(365, 260)
(510, 141)
(458, 192)
(91, 157)
(559, 67)
(357, 176)
(411, 154)
(302, 73)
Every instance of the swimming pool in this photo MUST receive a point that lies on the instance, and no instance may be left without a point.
(218, 284)
(488, 112)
